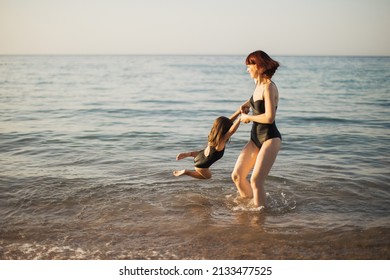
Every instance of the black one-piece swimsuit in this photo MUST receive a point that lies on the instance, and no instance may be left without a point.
(262, 132)
(203, 161)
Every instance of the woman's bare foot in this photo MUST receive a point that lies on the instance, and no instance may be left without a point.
(178, 173)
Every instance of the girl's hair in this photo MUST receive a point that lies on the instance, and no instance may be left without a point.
(262, 60)
(220, 127)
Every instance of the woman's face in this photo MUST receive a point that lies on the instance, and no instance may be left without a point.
(253, 71)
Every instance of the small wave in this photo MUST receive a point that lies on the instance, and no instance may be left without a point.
(157, 101)
(43, 251)
(327, 120)
(248, 209)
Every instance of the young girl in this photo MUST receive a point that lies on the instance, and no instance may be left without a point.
(223, 128)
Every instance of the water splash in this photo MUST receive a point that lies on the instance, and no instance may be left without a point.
(281, 203)
(276, 203)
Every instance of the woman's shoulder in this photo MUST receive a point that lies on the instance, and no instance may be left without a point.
(271, 88)
(270, 85)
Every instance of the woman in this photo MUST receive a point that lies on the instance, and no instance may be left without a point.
(260, 152)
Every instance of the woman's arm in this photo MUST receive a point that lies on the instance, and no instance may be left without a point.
(245, 107)
(270, 108)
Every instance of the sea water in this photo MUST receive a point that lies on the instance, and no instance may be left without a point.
(88, 146)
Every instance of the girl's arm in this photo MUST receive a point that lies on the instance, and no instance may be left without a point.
(235, 114)
(233, 128)
(244, 108)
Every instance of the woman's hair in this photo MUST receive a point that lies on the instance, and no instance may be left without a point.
(220, 127)
(262, 60)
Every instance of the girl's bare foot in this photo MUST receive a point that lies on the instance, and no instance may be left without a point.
(178, 173)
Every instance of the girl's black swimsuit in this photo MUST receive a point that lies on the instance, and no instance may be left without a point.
(262, 132)
(203, 161)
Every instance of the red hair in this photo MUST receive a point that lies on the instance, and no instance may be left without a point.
(263, 61)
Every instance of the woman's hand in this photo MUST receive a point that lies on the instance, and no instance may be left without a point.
(244, 109)
(245, 118)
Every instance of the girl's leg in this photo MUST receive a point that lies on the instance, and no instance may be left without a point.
(264, 162)
(245, 162)
(199, 173)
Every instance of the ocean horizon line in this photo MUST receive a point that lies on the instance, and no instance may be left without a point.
(186, 54)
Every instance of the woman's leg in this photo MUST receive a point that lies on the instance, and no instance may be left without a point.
(199, 173)
(265, 159)
(245, 162)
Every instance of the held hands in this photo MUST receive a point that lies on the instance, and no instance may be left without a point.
(244, 113)
(244, 109)
(245, 118)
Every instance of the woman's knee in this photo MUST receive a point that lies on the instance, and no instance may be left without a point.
(256, 183)
(236, 176)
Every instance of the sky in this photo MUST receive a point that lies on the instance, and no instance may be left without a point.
(279, 27)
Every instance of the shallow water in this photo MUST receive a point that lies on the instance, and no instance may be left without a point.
(88, 145)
